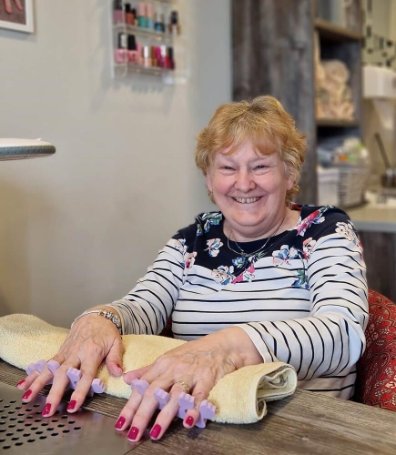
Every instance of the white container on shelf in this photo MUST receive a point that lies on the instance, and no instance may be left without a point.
(328, 185)
(379, 82)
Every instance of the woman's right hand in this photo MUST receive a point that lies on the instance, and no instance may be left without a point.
(91, 340)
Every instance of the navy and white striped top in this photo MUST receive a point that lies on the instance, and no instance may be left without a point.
(301, 300)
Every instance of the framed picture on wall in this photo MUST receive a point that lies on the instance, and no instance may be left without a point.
(17, 15)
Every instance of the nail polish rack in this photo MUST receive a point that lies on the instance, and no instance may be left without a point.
(144, 35)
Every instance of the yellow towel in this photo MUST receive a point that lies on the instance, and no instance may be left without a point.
(239, 397)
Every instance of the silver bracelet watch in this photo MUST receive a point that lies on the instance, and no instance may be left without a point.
(111, 317)
(106, 314)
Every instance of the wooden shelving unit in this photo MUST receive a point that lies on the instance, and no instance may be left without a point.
(274, 53)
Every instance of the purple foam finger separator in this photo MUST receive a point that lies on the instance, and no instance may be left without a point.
(53, 365)
(140, 385)
(36, 366)
(186, 402)
(97, 386)
(162, 397)
(74, 376)
(206, 412)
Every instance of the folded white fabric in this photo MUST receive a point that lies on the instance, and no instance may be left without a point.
(239, 397)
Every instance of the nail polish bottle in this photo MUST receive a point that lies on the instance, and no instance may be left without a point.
(141, 15)
(171, 61)
(118, 13)
(129, 19)
(159, 21)
(134, 15)
(121, 53)
(139, 50)
(133, 56)
(174, 26)
(147, 63)
(163, 56)
(149, 15)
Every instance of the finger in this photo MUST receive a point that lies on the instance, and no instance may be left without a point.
(165, 417)
(19, 5)
(114, 358)
(84, 381)
(33, 384)
(60, 384)
(200, 393)
(8, 6)
(143, 414)
(129, 376)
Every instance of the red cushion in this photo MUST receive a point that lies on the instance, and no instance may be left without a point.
(376, 383)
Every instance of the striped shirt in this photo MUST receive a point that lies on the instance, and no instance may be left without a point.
(302, 299)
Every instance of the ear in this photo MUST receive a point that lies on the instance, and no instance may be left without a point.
(290, 181)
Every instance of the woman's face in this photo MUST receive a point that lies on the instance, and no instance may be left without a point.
(250, 190)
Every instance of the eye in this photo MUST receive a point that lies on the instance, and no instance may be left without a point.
(227, 168)
(260, 167)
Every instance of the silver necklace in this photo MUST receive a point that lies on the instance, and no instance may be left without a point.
(243, 253)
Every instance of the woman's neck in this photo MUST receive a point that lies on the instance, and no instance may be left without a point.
(286, 221)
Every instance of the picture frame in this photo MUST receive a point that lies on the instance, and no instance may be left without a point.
(17, 15)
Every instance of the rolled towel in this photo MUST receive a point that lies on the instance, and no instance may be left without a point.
(239, 397)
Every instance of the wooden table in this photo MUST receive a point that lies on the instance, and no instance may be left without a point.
(306, 423)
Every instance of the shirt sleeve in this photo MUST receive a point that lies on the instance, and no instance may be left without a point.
(331, 339)
(146, 309)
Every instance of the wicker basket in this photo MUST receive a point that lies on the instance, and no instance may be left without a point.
(353, 181)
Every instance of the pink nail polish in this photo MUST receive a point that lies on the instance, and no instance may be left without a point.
(19, 383)
(71, 405)
(47, 409)
(120, 423)
(155, 431)
(133, 433)
(189, 421)
(26, 395)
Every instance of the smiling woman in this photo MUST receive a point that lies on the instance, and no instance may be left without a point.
(261, 280)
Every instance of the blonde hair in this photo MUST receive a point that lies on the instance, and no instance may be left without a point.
(265, 123)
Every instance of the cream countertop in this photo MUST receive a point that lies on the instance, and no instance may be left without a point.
(375, 217)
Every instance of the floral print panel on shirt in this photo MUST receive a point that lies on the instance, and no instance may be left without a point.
(211, 250)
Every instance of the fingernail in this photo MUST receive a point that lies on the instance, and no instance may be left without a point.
(190, 421)
(71, 405)
(155, 431)
(47, 409)
(19, 383)
(27, 394)
(120, 422)
(133, 433)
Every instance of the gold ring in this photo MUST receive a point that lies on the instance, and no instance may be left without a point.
(186, 387)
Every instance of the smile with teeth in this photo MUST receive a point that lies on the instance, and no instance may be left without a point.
(246, 200)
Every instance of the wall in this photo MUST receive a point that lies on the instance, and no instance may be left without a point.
(78, 228)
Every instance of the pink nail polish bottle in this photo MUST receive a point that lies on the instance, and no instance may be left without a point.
(121, 53)
(118, 13)
(147, 62)
(133, 55)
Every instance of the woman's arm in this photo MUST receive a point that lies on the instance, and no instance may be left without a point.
(148, 306)
(331, 339)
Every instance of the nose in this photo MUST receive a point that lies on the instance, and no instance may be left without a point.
(244, 180)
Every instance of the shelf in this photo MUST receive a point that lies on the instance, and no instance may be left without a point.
(335, 32)
(125, 68)
(140, 31)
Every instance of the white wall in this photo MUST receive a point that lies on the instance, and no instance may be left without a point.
(78, 228)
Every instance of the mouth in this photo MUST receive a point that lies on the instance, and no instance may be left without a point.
(246, 200)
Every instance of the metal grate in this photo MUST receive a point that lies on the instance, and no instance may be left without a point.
(23, 424)
(23, 430)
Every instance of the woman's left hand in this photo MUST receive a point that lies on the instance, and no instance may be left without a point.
(194, 368)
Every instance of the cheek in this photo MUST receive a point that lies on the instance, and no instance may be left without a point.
(218, 183)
